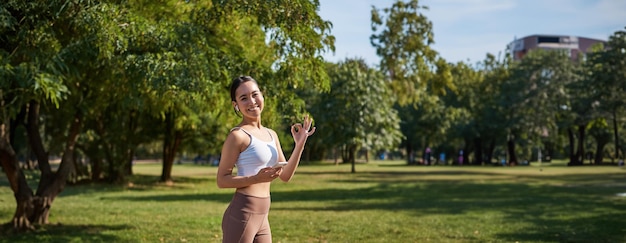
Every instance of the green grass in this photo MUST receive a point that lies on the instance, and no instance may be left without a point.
(382, 202)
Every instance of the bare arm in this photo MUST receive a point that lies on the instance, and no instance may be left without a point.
(300, 133)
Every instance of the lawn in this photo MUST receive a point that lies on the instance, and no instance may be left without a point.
(383, 202)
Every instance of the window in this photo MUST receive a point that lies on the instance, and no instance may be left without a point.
(548, 39)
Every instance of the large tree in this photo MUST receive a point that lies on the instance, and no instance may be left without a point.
(357, 112)
(35, 75)
(105, 77)
(607, 74)
(538, 80)
(471, 107)
(402, 36)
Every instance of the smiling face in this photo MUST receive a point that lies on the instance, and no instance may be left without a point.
(249, 99)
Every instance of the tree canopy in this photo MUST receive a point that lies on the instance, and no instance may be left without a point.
(105, 77)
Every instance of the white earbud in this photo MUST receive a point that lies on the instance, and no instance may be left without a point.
(237, 108)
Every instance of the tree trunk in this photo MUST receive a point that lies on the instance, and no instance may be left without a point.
(171, 142)
(580, 153)
(345, 157)
(40, 206)
(130, 144)
(34, 139)
(19, 120)
(115, 168)
(36, 208)
(17, 181)
(51, 184)
(492, 147)
(549, 151)
(129, 161)
(467, 151)
(95, 160)
(478, 155)
(96, 168)
(409, 153)
(511, 150)
(572, 142)
(616, 134)
(352, 152)
(598, 156)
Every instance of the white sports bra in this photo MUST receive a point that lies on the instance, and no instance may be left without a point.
(258, 155)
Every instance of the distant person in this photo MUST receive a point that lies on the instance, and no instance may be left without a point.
(427, 156)
(461, 157)
(254, 150)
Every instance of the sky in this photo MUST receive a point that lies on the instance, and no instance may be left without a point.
(466, 30)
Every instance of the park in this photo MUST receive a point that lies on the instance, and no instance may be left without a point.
(386, 201)
(531, 141)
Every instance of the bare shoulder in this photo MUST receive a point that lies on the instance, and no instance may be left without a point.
(237, 132)
(238, 137)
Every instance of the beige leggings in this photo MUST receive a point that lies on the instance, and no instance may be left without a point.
(245, 220)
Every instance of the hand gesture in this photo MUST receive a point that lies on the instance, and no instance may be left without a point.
(268, 174)
(301, 132)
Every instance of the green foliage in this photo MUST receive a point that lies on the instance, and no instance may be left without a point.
(606, 77)
(540, 79)
(418, 77)
(31, 66)
(607, 72)
(465, 108)
(129, 65)
(357, 112)
(297, 35)
(402, 36)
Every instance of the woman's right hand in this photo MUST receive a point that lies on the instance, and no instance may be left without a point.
(268, 174)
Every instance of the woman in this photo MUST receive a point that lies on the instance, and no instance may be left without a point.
(254, 150)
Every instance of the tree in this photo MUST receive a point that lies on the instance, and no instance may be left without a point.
(580, 111)
(600, 130)
(33, 54)
(538, 80)
(426, 124)
(607, 71)
(403, 45)
(357, 112)
(489, 124)
(469, 108)
(101, 76)
(402, 36)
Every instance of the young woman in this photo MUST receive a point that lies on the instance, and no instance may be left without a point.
(255, 151)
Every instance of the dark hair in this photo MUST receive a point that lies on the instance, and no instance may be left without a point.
(238, 81)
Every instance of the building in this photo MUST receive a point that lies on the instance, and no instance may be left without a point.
(574, 44)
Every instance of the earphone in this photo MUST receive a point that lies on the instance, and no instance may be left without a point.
(237, 108)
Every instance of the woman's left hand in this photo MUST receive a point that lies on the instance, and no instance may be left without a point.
(301, 132)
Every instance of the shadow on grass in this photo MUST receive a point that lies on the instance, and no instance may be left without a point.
(566, 208)
(555, 208)
(63, 233)
(217, 197)
(586, 210)
(136, 183)
(598, 228)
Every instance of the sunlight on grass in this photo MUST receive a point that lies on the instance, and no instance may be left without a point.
(383, 202)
